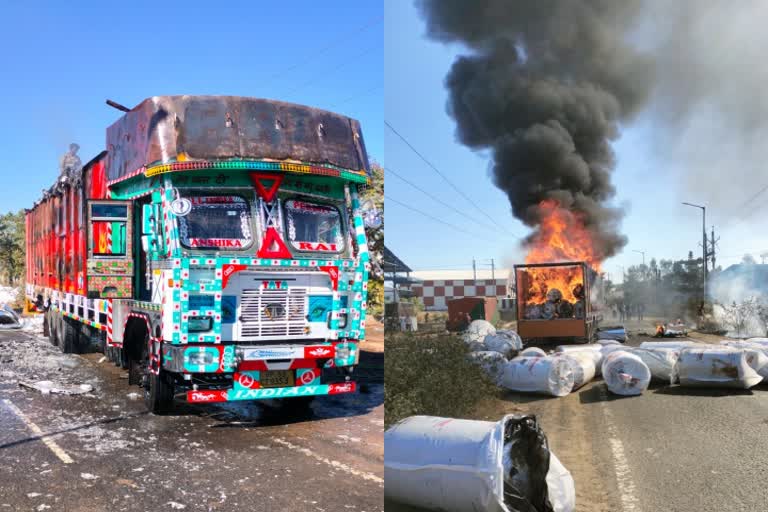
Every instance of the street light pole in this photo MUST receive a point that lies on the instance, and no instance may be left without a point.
(704, 239)
(641, 252)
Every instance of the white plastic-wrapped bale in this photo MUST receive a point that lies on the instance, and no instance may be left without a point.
(679, 345)
(532, 352)
(716, 367)
(546, 375)
(478, 330)
(476, 346)
(503, 343)
(625, 373)
(592, 348)
(455, 465)
(583, 364)
(608, 342)
(491, 362)
(662, 362)
(757, 355)
(517, 341)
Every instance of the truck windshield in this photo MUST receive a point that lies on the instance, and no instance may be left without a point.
(216, 222)
(314, 227)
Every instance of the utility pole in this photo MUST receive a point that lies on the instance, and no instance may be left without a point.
(474, 269)
(704, 240)
(493, 272)
(712, 242)
(641, 252)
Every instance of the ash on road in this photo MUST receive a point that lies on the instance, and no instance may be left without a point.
(104, 452)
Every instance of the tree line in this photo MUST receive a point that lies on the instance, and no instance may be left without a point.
(12, 251)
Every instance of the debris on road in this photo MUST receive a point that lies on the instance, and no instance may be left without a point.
(618, 333)
(547, 375)
(48, 387)
(8, 318)
(716, 367)
(625, 373)
(455, 465)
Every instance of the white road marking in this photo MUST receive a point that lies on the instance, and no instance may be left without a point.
(627, 489)
(333, 463)
(50, 443)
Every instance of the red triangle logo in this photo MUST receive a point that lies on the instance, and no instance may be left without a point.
(266, 192)
(273, 246)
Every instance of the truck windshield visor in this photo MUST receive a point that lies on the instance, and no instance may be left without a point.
(216, 222)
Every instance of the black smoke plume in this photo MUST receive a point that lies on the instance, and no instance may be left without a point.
(545, 85)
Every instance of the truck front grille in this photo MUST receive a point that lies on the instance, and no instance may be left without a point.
(272, 313)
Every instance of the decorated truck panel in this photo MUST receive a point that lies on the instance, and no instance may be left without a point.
(216, 250)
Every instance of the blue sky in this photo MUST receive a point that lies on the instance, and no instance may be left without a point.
(62, 60)
(650, 190)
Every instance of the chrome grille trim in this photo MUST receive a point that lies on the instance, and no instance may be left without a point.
(285, 318)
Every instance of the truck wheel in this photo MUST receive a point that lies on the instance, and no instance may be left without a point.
(158, 392)
(70, 337)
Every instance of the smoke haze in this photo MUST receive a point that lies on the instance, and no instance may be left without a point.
(545, 86)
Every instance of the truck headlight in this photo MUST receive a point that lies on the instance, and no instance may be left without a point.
(200, 357)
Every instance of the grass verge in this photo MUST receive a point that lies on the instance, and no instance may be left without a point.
(431, 376)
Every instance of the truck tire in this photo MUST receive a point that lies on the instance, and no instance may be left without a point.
(158, 393)
(70, 337)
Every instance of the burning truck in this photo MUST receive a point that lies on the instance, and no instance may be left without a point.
(558, 300)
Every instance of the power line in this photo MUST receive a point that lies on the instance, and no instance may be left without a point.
(452, 226)
(462, 194)
(347, 61)
(346, 37)
(447, 205)
(357, 95)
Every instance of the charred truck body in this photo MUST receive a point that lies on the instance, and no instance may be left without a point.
(216, 249)
(557, 300)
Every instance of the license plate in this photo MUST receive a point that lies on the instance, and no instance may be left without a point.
(276, 379)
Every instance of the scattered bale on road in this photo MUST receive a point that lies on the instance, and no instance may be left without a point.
(546, 375)
(716, 367)
(625, 373)
(454, 465)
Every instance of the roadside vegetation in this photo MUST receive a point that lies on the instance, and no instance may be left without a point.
(431, 376)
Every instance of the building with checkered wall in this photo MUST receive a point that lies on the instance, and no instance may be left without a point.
(435, 293)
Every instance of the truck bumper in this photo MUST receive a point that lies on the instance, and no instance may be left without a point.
(231, 395)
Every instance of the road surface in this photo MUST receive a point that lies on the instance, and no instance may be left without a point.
(671, 449)
(106, 453)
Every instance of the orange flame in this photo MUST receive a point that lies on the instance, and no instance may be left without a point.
(561, 237)
(540, 280)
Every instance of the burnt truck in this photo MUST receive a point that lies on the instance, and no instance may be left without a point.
(216, 249)
(558, 301)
